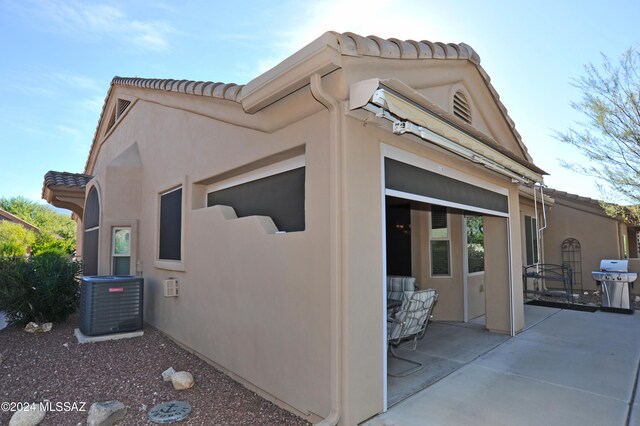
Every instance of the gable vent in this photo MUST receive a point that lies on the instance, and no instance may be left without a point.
(120, 108)
(123, 104)
(461, 108)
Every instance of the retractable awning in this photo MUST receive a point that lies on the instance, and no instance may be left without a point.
(412, 113)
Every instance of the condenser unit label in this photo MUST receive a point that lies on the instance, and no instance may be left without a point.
(116, 290)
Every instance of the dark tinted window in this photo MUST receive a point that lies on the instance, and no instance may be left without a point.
(279, 196)
(92, 210)
(171, 225)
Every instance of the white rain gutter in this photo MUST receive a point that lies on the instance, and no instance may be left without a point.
(539, 230)
(338, 243)
(408, 116)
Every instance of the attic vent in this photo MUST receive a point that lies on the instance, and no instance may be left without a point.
(123, 104)
(461, 108)
(121, 107)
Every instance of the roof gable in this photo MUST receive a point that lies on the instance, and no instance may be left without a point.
(333, 51)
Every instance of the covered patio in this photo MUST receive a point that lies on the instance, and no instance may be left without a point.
(566, 367)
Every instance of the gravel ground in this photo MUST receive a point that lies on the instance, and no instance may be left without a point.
(39, 367)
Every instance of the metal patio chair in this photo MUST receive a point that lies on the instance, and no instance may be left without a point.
(409, 324)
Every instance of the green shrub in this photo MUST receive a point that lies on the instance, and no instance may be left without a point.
(43, 288)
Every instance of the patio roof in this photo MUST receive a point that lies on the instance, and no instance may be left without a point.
(65, 190)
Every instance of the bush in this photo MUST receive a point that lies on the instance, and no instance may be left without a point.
(15, 240)
(43, 288)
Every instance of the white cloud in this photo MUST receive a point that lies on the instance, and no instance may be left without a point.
(93, 20)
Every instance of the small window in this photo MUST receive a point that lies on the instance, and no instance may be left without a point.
(121, 251)
(91, 233)
(461, 108)
(531, 239)
(171, 225)
(475, 244)
(439, 242)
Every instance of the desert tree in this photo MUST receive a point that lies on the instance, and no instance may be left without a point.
(610, 137)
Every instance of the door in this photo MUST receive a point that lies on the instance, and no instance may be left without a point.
(474, 266)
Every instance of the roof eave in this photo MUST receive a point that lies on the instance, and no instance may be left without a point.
(321, 56)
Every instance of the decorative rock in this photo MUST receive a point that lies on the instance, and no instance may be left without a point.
(168, 374)
(182, 380)
(106, 413)
(32, 327)
(27, 417)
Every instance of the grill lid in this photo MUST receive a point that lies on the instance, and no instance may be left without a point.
(614, 265)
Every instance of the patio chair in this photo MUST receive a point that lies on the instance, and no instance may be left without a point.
(397, 285)
(409, 324)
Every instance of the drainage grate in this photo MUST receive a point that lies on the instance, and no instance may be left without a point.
(170, 412)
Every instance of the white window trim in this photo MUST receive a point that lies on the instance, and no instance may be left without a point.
(172, 265)
(113, 246)
(448, 238)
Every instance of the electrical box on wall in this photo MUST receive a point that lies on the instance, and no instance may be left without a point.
(171, 288)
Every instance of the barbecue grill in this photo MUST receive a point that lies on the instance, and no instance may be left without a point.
(615, 282)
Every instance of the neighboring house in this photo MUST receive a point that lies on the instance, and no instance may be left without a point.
(280, 207)
(580, 233)
(6, 216)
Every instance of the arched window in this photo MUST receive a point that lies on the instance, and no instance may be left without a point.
(461, 107)
(91, 233)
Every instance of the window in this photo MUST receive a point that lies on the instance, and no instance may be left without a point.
(531, 239)
(475, 244)
(121, 251)
(171, 225)
(91, 233)
(279, 196)
(439, 241)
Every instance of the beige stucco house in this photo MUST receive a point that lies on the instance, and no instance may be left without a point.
(281, 206)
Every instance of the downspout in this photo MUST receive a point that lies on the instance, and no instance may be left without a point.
(338, 244)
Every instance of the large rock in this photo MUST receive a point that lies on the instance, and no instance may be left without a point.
(27, 417)
(106, 413)
(182, 380)
(168, 374)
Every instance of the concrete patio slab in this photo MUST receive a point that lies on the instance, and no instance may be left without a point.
(571, 349)
(476, 395)
(399, 388)
(462, 343)
(567, 368)
(536, 314)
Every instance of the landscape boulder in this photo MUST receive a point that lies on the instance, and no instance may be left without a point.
(106, 413)
(182, 380)
(168, 374)
(27, 417)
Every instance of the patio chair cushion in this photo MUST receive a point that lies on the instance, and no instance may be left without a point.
(397, 285)
(411, 319)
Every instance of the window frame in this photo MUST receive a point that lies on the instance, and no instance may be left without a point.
(440, 238)
(170, 264)
(113, 247)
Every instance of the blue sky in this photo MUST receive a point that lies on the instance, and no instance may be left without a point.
(59, 56)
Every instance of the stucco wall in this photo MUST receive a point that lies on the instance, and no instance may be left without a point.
(255, 303)
(599, 237)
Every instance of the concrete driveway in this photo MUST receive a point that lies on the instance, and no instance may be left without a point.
(567, 368)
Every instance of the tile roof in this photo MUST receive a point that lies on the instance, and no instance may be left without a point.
(5, 215)
(557, 193)
(348, 44)
(70, 180)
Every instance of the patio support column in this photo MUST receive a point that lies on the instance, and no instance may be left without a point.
(497, 277)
